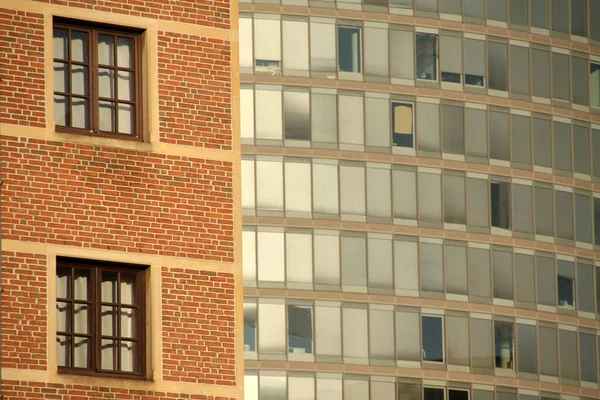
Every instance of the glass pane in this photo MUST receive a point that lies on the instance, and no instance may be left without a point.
(455, 262)
(527, 348)
(296, 110)
(549, 356)
(523, 214)
(500, 204)
(349, 49)
(518, 12)
(480, 274)
(328, 335)
(79, 46)
(564, 214)
(433, 393)
(544, 215)
(271, 329)
(329, 389)
(583, 218)
(128, 323)
(503, 274)
(107, 116)
(63, 283)
(126, 118)
(427, 56)
(496, 10)
(61, 77)
(562, 141)
(126, 87)
(61, 116)
(327, 260)
(355, 335)
(295, 47)
(504, 338)
(433, 347)
(354, 263)
(63, 351)
(300, 331)
(499, 137)
(453, 128)
(481, 344)
(568, 355)
(324, 118)
(80, 111)
(106, 83)
(406, 265)
(525, 280)
(454, 199)
(129, 356)
(82, 318)
(301, 388)
(566, 284)
(521, 139)
(272, 387)
(402, 124)
(539, 14)
(250, 326)
(560, 72)
(519, 68)
(430, 198)
(457, 340)
(128, 289)
(356, 389)
(381, 336)
(497, 65)
(125, 57)
(109, 287)
(106, 51)
(407, 335)
(81, 353)
(587, 351)
(546, 281)
(108, 354)
(79, 79)
(59, 43)
(474, 8)
(63, 317)
(432, 274)
(108, 321)
(585, 287)
(579, 17)
(540, 61)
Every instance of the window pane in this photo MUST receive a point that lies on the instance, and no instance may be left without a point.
(568, 355)
(480, 275)
(455, 262)
(271, 257)
(539, 14)
(247, 112)
(519, 12)
(474, 8)
(499, 137)
(295, 48)
(356, 335)
(381, 328)
(405, 265)
(564, 214)
(579, 77)
(560, 70)
(428, 123)
(356, 389)
(585, 287)
(451, 51)
(454, 199)
(249, 325)
(521, 139)
(500, 204)
(478, 211)
(544, 216)
(433, 347)
(481, 346)
(581, 140)
(523, 214)
(352, 186)
(245, 47)
(457, 340)
(476, 133)
(324, 118)
(298, 258)
(376, 52)
(527, 348)
(377, 123)
(519, 65)
(503, 274)
(453, 128)
(427, 56)
(432, 274)
(272, 387)
(405, 194)
(540, 63)
(329, 388)
(297, 188)
(497, 63)
(583, 218)
(269, 176)
(549, 355)
(587, 351)
(379, 193)
(349, 49)
(383, 390)
(525, 280)
(579, 17)
(496, 10)
(300, 339)
(297, 125)
(430, 198)
(504, 338)
(322, 49)
(566, 284)
(594, 12)
(562, 141)
(402, 125)
(327, 259)
(354, 263)
(351, 119)
(408, 346)
(474, 61)
(546, 281)
(301, 388)
(427, 5)
(271, 330)
(328, 335)
(249, 257)
(433, 393)
(268, 113)
(325, 189)
(267, 45)
(560, 12)
(402, 52)
(380, 265)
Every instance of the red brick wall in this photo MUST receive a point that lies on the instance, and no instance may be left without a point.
(116, 199)
(198, 326)
(24, 315)
(195, 90)
(21, 390)
(22, 97)
(200, 12)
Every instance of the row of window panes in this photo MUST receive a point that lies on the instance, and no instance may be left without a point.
(331, 260)
(299, 47)
(403, 195)
(543, 16)
(282, 385)
(376, 122)
(384, 335)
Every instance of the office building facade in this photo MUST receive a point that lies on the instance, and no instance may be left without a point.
(421, 199)
(120, 161)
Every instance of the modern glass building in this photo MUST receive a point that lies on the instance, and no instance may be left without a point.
(421, 199)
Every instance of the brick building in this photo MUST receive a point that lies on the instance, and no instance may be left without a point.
(120, 196)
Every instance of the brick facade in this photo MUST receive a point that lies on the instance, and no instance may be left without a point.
(161, 202)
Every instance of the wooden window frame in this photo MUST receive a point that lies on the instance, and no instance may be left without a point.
(95, 333)
(93, 30)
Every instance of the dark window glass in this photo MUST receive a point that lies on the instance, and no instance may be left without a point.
(349, 45)
(433, 347)
(500, 204)
(427, 57)
(300, 333)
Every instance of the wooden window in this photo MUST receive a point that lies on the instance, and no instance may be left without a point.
(99, 318)
(97, 80)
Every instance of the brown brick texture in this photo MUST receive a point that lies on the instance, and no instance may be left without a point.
(194, 90)
(24, 314)
(198, 326)
(24, 390)
(200, 12)
(22, 97)
(115, 199)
